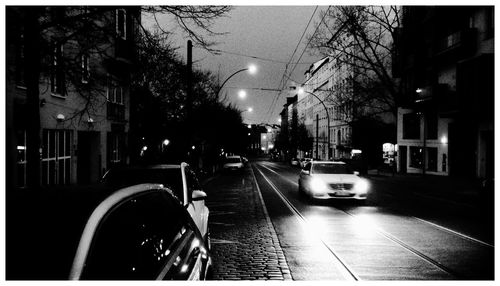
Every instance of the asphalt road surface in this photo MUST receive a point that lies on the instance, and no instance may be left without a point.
(391, 236)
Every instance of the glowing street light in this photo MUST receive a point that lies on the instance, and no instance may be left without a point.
(252, 69)
(242, 94)
(250, 109)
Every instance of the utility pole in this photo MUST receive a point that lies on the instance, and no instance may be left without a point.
(189, 99)
(189, 75)
(317, 136)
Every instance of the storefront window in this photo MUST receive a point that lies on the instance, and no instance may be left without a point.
(416, 157)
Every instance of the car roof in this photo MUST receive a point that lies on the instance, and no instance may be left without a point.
(98, 214)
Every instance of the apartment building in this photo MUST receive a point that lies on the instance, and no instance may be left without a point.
(83, 91)
(446, 115)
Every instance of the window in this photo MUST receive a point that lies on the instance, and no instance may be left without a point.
(21, 158)
(85, 68)
(431, 126)
(416, 157)
(137, 239)
(432, 159)
(115, 107)
(411, 126)
(57, 73)
(56, 157)
(115, 148)
(121, 23)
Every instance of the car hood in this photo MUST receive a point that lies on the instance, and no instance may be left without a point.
(337, 178)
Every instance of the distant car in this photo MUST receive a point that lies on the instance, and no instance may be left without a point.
(294, 162)
(82, 233)
(331, 180)
(233, 163)
(177, 177)
(304, 161)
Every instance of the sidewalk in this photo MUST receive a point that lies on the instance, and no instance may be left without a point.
(245, 245)
(459, 190)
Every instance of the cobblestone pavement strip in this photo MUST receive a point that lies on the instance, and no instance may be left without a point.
(244, 243)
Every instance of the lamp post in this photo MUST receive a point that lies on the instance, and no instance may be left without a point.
(251, 69)
(301, 90)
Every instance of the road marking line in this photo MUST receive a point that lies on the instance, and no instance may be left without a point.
(343, 267)
(455, 232)
(422, 220)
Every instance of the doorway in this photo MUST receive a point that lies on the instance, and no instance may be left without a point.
(403, 161)
(88, 157)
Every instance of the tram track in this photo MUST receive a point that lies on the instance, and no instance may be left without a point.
(396, 241)
(435, 225)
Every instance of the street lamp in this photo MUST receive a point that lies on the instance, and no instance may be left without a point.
(252, 69)
(242, 94)
(301, 90)
(249, 109)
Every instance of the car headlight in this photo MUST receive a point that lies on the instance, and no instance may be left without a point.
(362, 186)
(318, 186)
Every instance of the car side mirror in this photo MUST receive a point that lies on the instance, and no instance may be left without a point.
(199, 195)
(356, 173)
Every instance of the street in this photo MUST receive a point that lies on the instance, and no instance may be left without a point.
(392, 236)
(250, 142)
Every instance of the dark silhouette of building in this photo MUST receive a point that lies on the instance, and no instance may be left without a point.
(445, 59)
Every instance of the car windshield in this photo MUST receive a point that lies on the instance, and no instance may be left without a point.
(233, 160)
(169, 178)
(328, 168)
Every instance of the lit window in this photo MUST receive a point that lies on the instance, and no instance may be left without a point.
(85, 68)
(57, 73)
(121, 23)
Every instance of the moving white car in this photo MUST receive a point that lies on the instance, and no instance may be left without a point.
(331, 180)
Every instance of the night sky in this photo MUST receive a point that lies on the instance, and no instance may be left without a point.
(266, 36)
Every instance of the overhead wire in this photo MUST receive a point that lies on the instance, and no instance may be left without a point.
(283, 80)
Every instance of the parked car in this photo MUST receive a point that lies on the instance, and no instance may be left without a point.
(84, 233)
(294, 162)
(331, 180)
(177, 177)
(304, 161)
(233, 163)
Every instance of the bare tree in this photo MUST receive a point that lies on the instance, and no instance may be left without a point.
(360, 40)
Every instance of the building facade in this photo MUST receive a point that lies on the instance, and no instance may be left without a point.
(83, 91)
(446, 116)
(325, 116)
